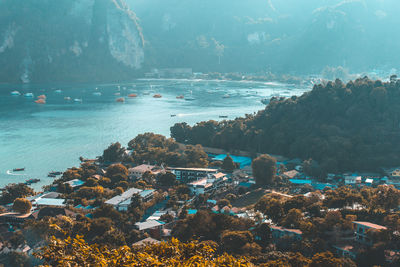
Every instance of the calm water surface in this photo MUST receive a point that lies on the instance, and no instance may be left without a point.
(53, 136)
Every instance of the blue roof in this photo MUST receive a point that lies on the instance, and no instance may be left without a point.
(300, 181)
(190, 212)
(242, 161)
(89, 215)
(212, 201)
(246, 184)
(321, 186)
(80, 206)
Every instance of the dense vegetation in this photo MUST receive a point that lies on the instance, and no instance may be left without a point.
(353, 126)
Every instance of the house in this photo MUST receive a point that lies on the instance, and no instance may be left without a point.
(48, 202)
(138, 171)
(369, 181)
(75, 183)
(53, 212)
(346, 250)
(14, 217)
(280, 232)
(152, 227)
(191, 174)
(290, 174)
(352, 179)
(212, 182)
(122, 202)
(361, 229)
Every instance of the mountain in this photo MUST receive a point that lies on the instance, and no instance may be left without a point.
(69, 40)
(290, 36)
(345, 127)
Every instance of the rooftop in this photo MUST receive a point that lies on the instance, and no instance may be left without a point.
(146, 241)
(75, 182)
(194, 169)
(124, 196)
(142, 168)
(279, 228)
(148, 224)
(371, 225)
(49, 202)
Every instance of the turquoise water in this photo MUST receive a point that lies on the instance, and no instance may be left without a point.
(53, 136)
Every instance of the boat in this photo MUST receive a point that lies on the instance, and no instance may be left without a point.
(58, 91)
(173, 115)
(41, 97)
(157, 96)
(146, 93)
(117, 94)
(97, 93)
(40, 101)
(32, 181)
(67, 98)
(180, 97)
(19, 169)
(121, 99)
(28, 95)
(55, 173)
(51, 175)
(132, 95)
(78, 100)
(223, 116)
(15, 93)
(226, 96)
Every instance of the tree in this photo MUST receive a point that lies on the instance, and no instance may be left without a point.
(293, 218)
(115, 169)
(167, 179)
(264, 169)
(233, 241)
(228, 165)
(22, 205)
(76, 252)
(114, 153)
(222, 203)
(13, 191)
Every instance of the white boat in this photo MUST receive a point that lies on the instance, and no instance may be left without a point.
(226, 96)
(117, 94)
(67, 98)
(78, 100)
(57, 91)
(28, 95)
(97, 93)
(15, 93)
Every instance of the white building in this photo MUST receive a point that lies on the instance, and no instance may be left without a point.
(352, 180)
(213, 181)
(122, 202)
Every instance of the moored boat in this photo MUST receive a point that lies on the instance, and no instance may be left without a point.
(180, 97)
(28, 95)
(67, 98)
(132, 95)
(41, 97)
(40, 101)
(78, 100)
(15, 93)
(97, 93)
(121, 100)
(157, 96)
(19, 169)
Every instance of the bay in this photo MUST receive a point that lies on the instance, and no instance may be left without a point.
(52, 137)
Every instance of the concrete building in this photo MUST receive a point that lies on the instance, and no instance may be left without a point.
(281, 232)
(122, 202)
(138, 171)
(191, 174)
(212, 182)
(361, 229)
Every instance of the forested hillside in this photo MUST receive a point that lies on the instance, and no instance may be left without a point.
(353, 126)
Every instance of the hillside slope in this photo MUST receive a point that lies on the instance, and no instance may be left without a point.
(353, 126)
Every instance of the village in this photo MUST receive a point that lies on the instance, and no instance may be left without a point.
(169, 194)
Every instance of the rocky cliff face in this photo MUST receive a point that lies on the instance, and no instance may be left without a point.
(69, 40)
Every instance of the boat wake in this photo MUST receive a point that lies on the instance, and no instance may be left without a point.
(10, 172)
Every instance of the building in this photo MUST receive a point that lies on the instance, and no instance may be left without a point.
(15, 217)
(138, 171)
(191, 174)
(48, 202)
(361, 229)
(352, 180)
(122, 202)
(75, 183)
(146, 241)
(280, 232)
(152, 227)
(290, 174)
(346, 250)
(212, 182)
(170, 73)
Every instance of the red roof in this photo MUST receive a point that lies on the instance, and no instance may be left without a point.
(296, 231)
(371, 225)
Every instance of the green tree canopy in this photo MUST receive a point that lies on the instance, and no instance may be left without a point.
(264, 169)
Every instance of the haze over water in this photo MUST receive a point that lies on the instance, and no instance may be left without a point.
(53, 136)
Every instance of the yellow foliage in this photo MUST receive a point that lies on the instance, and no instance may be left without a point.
(76, 252)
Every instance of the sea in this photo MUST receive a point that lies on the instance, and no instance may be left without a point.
(84, 119)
